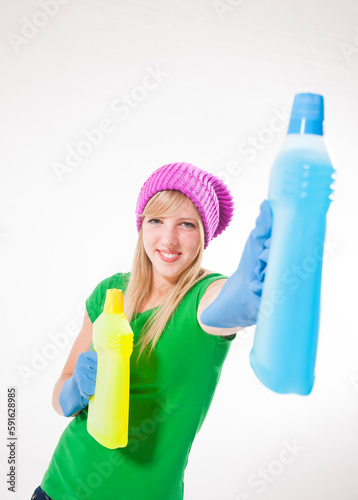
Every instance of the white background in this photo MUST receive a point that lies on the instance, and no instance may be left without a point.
(227, 68)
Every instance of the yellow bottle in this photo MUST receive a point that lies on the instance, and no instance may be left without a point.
(108, 409)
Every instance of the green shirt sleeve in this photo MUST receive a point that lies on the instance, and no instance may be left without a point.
(95, 302)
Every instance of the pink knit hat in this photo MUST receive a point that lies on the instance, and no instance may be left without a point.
(208, 193)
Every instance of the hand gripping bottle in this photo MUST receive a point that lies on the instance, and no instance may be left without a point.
(284, 352)
(108, 409)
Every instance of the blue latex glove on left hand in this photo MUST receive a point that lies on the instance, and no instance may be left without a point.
(238, 302)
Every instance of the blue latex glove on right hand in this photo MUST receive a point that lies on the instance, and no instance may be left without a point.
(78, 389)
(239, 299)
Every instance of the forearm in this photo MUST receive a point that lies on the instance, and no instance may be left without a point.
(56, 395)
(56, 392)
(210, 296)
(237, 304)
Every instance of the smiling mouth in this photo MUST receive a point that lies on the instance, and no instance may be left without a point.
(169, 257)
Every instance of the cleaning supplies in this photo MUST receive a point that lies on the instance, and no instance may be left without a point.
(108, 409)
(300, 192)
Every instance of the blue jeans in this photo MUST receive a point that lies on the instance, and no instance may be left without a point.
(39, 494)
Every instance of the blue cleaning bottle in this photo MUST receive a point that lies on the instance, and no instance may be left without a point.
(300, 191)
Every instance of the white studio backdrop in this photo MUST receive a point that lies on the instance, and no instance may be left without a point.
(95, 95)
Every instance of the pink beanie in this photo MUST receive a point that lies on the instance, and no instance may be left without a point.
(208, 193)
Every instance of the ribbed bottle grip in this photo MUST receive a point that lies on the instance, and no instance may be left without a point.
(307, 181)
(119, 343)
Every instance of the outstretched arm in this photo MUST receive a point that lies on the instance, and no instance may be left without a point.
(210, 295)
(238, 302)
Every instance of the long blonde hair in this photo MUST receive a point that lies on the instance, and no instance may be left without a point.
(162, 204)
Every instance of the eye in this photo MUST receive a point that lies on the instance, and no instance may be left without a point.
(154, 223)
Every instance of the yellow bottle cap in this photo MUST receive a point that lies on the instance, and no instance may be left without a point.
(114, 301)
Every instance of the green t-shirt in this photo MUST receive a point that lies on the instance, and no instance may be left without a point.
(170, 394)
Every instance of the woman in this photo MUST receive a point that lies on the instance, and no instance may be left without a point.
(178, 351)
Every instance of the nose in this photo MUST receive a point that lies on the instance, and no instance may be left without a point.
(169, 237)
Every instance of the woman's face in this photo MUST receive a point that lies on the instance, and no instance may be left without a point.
(171, 243)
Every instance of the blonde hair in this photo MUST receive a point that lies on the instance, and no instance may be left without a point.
(162, 204)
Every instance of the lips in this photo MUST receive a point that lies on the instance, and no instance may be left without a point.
(169, 256)
(169, 252)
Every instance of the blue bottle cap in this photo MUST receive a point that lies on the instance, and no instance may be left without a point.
(307, 115)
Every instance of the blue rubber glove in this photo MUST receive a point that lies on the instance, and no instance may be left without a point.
(78, 389)
(238, 301)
